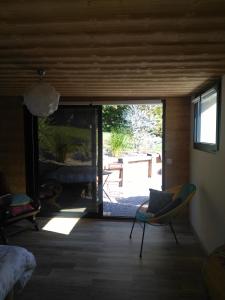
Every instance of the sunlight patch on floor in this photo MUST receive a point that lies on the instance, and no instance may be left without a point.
(61, 225)
(77, 210)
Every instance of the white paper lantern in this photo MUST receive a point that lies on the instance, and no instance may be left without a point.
(41, 99)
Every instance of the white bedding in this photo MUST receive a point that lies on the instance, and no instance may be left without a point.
(16, 267)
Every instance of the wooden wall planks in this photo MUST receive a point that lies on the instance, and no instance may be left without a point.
(112, 48)
(12, 157)
(177, 141)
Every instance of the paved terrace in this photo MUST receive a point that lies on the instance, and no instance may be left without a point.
(125, 198)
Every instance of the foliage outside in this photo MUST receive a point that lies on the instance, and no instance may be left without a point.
(57, 142)
(129, 127)
(141, 123)
(119, 142)
(113, 117)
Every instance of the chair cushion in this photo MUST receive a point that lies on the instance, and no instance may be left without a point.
(158, 200)
(171, 205)
(20, 199)
(17, 210)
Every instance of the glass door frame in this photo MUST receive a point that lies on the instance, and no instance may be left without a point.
(32, 155)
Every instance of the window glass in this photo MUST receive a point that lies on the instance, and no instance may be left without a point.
(208, 117)
(206, 120)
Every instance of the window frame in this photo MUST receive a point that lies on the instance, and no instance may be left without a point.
(207, 147)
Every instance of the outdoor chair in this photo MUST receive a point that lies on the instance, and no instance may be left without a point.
(180, 197)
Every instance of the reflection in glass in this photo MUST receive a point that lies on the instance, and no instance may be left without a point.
(67, 159)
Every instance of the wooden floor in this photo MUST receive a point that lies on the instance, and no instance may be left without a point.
(98, 261)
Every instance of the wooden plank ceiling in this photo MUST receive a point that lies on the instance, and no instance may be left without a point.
(152, 48)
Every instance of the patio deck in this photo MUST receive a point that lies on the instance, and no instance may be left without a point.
(124, 200)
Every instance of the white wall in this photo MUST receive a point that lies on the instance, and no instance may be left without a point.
(208, 173)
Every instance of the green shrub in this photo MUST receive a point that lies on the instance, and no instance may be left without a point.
(119, 142)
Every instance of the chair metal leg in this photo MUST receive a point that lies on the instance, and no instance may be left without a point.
(32, 219)
(132, 227)
(142, 241)
(173, 231)
(107, 195)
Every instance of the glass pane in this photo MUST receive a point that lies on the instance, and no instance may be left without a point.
(67, 160)
(208, 117)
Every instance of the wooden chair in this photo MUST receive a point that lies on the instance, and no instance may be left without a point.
(184, 192)
(6, 217)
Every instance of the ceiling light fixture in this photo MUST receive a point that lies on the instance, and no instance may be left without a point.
(41, 99)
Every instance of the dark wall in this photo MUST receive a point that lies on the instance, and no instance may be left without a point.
(12, 158)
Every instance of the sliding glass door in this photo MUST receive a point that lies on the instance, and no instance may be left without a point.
(68, 160)
(74, 164)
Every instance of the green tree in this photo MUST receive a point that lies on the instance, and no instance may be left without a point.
(145, 123)
(114, 117)
(155, 114)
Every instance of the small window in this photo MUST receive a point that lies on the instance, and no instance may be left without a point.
(206, 120)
